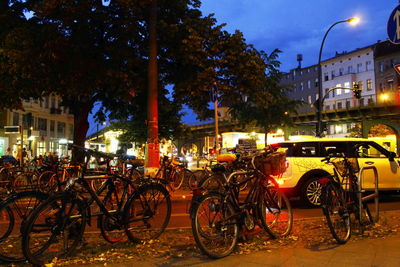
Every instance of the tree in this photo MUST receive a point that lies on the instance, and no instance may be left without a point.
(269, 107)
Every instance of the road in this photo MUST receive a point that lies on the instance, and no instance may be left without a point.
(180, 205)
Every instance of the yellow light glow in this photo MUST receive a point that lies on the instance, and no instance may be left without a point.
(279, 131)
(280, 182)
(354, 21)
(384, 97)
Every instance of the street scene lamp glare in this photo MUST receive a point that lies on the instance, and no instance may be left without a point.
(352, 21)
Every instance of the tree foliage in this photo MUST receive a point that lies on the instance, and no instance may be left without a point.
(88, 52)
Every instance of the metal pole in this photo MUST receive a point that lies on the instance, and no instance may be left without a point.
(319, 110)
(21, 158)
(216, 127)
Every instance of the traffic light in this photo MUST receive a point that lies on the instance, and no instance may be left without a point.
(356, 91)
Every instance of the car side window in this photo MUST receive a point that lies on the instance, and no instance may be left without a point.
(307, 149)
(329, 147)
(370, 150)
(287, 148)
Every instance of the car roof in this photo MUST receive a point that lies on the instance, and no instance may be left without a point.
(342, 139)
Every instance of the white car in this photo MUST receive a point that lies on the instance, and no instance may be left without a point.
(305, 166)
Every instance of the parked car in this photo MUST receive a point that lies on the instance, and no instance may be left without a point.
(7, 159)
(305, 166)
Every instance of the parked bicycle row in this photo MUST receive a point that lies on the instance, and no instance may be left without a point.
(237, 197)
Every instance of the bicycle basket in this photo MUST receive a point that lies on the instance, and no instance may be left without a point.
(272, 163)
(340, 165)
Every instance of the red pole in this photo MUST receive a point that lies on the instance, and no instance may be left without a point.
(153, 150)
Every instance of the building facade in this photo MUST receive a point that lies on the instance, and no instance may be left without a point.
(342, 72)
(387, 55)
(47, 127)
(304, 86)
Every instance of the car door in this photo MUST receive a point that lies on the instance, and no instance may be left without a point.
(372, 154)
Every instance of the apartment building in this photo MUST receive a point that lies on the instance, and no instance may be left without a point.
(47, 127)
(387, 55)
(304, 84)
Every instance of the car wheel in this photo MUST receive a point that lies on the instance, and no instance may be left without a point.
(311, 192)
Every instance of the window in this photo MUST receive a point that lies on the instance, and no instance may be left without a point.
(369, 85)
(347, 104)
(301, 86)
(340, 71)
(46, 102)
(346, 85)
(308, 149)
(381, 66)
(339, 90)
(350, 69)
(381, 87)
(15, 118)
(360, 85)
(370, 101)
(333, 93)
(53, 102)
(361, 102)
(390, 85)
(368, 65)
(309, 99)
(42, 124)
(339, 105)
(333, 74)
(359, 67)
(326, 77)
(60, 129)
(327, 107)
(392, 62)
(52, 128)
(308, 84)
(316, 82)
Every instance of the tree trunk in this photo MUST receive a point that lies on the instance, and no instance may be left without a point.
(81, 126)
(266, 131)
(152, 98)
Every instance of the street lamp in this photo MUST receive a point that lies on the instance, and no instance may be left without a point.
(352, 21)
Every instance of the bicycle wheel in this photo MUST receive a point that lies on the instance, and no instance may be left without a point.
(213, 183)
(194, 178)
(111, 227)
(24, 180)
(20, 206)
(54, 229)
(276, 213)
(6, 222)
(178, 177)
(214, 230)
(335, 210)
(147, 213)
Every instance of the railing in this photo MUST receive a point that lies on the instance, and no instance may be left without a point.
(374, 195)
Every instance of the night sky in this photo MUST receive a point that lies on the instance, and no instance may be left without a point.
(297, 27)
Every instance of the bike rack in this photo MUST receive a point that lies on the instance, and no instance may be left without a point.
(374, 195)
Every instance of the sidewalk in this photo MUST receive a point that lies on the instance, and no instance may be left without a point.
(377, 252)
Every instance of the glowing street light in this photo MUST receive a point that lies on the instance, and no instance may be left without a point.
(352, 21)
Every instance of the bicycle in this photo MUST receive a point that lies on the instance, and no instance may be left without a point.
(339, 197)
(13, 213)
(55, 228)
(218, 216)
(172, 171)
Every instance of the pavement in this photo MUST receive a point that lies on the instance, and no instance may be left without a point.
(374, 252)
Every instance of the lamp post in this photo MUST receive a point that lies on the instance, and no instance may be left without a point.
(353, 21)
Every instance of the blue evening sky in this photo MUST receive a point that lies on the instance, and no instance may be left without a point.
(297, 27)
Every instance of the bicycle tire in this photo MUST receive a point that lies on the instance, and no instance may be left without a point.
(194, 179)
(178, 178)
(20, 205)
(147, 213)
(111, 228)
(276, 213)
(215, 236)
(6, 218)
(335, 210)
(213, 183)
(65, 218)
